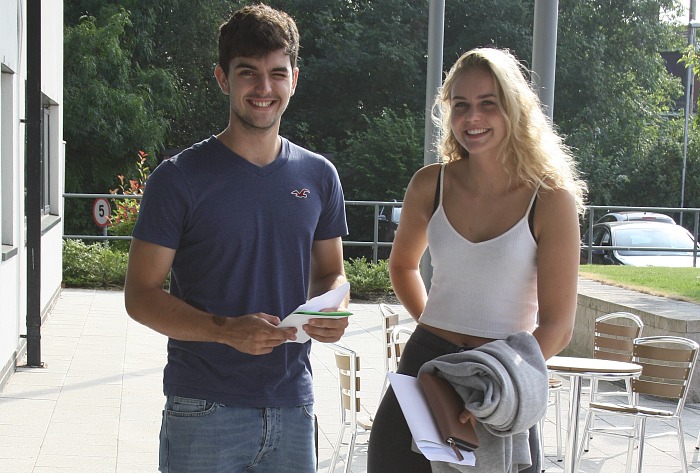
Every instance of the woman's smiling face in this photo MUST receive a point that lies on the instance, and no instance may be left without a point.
(475, 117)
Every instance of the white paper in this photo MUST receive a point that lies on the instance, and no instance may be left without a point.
(330, 299)
(421, 423)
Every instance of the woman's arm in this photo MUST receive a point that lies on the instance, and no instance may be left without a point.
(558, 249)
(411, 240)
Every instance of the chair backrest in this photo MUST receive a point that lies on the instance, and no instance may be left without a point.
(614, 336)
(348, 363)
(390, 319)
(399, 337)
(667, 366)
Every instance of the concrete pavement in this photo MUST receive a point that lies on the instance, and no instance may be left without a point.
(96, 405)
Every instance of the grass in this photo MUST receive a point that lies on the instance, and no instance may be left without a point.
(675, 283)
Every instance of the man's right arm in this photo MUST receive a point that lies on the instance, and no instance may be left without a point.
(149, 304)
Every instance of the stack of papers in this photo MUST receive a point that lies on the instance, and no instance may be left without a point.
(421, 423)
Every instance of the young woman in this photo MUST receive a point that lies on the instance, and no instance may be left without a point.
(500, 218)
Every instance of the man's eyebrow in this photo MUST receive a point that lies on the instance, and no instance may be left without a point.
(245, 65)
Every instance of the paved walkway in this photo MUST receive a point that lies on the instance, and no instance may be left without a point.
(96, 405)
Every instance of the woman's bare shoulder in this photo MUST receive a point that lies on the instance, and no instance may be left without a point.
(555, 206)
(426, 177)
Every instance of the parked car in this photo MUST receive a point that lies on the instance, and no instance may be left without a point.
(633, 216)
(646, 234)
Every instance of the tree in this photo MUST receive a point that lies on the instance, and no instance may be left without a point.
(377, 164)
(113, 107)
(185, 43)
(613, 90)
(357, 58)
(139, 77)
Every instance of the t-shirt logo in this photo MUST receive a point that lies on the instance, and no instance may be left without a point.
(302, 193)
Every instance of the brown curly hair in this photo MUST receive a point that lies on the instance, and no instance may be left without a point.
(255, 31)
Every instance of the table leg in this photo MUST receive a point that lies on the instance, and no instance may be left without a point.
(572, 434)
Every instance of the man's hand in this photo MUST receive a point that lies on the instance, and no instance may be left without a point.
(255, 334)
(326, 330)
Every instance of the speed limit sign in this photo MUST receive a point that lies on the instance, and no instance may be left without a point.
(101, 211)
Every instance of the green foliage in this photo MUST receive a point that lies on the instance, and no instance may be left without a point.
(367, 278)
(378, 161)
(112, 104)
(92, 265)
(185, 42)
(357, 58)
(611, 101)
(133, 69)
(126, 211)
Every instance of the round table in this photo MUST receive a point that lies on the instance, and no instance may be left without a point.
(577, 368)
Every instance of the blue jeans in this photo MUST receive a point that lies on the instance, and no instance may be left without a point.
(199, 436)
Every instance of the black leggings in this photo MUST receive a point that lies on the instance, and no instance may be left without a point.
(390, 439)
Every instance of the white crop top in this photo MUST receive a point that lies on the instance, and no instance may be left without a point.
(486, 289)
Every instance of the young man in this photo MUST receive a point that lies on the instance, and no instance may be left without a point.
(248, 225)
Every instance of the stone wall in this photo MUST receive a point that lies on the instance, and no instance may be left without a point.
(661, 316)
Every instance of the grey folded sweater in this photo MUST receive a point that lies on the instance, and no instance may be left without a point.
(505, 385)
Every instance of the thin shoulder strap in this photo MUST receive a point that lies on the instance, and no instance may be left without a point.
(438, 188)
(531, 210)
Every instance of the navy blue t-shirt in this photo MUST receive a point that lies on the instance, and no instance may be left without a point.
(243, 236)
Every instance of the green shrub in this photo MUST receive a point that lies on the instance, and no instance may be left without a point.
(103, 265)
(126, 211)
(367, 278)
(92, 265)
(122, 229)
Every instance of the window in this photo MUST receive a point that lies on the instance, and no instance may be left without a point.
(7, 171)
(46, 162)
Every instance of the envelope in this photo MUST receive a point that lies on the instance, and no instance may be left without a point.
(311, 309)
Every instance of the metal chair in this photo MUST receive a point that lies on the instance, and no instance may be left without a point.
(392, 342)
(390, 319)
(348, 364)
(613, 340)
(399, 337)
(555, 387)
(667, 366)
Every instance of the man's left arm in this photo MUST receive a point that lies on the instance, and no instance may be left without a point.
(327, 272)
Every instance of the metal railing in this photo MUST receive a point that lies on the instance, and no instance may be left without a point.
(375, 243)
(105, 234)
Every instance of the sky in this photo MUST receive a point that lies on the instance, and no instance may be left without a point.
(685, 16)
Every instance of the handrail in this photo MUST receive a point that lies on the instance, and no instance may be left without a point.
(375, 243)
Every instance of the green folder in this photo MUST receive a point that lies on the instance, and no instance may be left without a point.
(341, 313)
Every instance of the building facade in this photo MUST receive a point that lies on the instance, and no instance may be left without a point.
(16, 26)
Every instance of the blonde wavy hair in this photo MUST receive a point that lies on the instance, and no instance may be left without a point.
(532, 151)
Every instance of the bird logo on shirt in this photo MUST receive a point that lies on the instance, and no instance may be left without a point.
(302, 193)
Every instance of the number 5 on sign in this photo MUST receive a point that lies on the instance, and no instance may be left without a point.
(100, 212)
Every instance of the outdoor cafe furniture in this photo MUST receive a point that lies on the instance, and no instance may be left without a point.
(577, 368)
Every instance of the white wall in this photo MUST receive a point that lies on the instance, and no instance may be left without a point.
(13, 283)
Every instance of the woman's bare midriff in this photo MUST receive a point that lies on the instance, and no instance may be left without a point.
(459, 339)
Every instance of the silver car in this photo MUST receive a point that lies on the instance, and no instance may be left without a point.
(642, 244)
